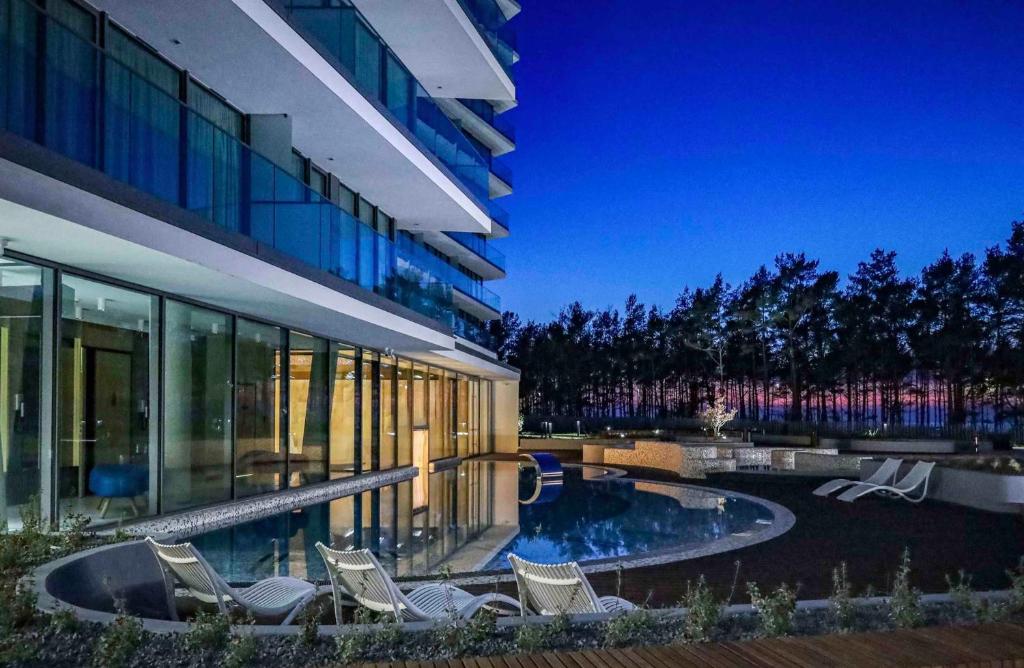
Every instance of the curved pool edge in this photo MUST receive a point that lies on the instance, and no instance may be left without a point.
(783, 520)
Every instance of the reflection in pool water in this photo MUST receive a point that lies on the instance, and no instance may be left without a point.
(473, 519)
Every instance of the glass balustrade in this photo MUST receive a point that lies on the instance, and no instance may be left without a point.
(346, 36)
(479, 245)
(59, 90)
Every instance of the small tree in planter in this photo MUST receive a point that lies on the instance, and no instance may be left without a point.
(716, 415)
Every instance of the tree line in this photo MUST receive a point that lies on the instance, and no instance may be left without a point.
(794, 342)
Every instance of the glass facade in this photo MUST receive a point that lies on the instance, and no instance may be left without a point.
(24, 319)
(259, 453)
(163, 405)
(120, 111)
(309, 404)
(107, 365)
(198, 406)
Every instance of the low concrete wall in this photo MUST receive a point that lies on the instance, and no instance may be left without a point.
(785, 458)
(560, 444)
(781, 439)
(976, 489)
(932, 447)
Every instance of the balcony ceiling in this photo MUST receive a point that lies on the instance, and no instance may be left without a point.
(442, 47)
(244, 51)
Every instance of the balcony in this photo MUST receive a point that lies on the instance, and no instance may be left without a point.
(491, 135)
(480, 247)
(456, 49)
(468, 294)
(380, 75)
(500, 184)
(491, 21)
(84, 104)
(473, 332)
(378, 133)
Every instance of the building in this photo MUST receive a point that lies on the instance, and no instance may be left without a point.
(246, 246)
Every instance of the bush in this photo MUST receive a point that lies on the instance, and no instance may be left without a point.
(208, 632)
(119, 642)
(360, 645)
(532, 638)
(775, 610)
(703, 611)
(905, 601)
(310, 631)
(636, 627)
(241, 651)
(839, 602)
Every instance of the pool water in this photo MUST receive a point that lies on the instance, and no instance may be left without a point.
(471, 517)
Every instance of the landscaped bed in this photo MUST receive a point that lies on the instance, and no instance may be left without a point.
(32, 639)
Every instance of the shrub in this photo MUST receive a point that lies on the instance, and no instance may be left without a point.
(209, 631)
(839, 601)
(775, 610)
(702, 611)
(961, 593)
(119, 642)
(1015, 602)
(532, 638)
(241, 651)
(358, 645)
(310, 624)
(64, 620)
(905, 601)
(636, 627)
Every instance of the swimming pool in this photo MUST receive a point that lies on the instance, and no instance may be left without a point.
(469, 518)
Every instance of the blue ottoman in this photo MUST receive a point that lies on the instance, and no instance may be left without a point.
(118, 481)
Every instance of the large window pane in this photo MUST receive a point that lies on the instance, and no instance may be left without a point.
(107, 360)
(21, 331)
(343, 413)
(404, 414)
(388, 435)
(197, 407)
(259, 457)
(368, 421)
(308, 409)
(462, 416)
(486, 439)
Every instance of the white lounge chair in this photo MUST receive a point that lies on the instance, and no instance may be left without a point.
(913, 487)
(357, 575)
(884, 475)
(551, 589)
(272, 597)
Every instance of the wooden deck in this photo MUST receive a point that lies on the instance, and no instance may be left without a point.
(982, 646)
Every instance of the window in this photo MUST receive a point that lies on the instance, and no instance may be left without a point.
(24, 317)
(388, 434)
(197, 406)
(108, 359)
(404, 417)
(214, 109)
(259, 455)
(344, 409)
(369, 423)
(308, 370)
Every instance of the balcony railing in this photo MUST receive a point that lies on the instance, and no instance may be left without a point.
(472, 331)
(448, 273)
(344, 34)
(499, 216)
(88, 106)
(485, 111)
(502, 171)
(491, 23)
(479, 245)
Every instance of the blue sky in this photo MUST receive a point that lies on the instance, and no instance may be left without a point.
(663, 141)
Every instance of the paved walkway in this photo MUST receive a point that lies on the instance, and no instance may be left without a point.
(975, 646)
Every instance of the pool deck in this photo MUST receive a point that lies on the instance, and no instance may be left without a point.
(977, 646)
(869, 535)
